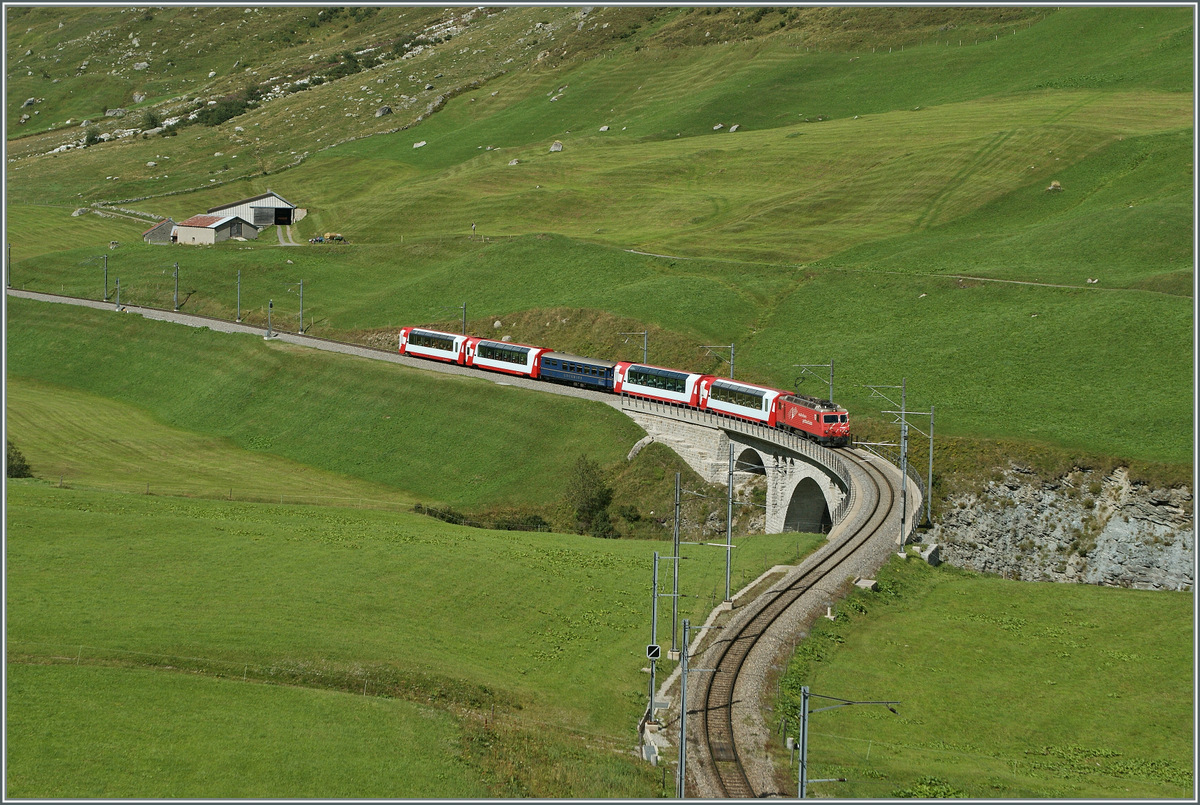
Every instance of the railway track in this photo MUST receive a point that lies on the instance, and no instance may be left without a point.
(714, 707)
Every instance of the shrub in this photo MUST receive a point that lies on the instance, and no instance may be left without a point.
(928, 788)
(16, 465)
(589, 495)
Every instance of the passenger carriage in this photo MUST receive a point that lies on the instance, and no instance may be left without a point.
(504, 356)
(657, 383)
(744, 400)
(575, 370)
(433, 344)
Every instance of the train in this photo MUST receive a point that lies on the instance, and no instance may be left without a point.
(818, 420)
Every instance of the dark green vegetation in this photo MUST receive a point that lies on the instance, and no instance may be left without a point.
(883, 203)
(1007, 690)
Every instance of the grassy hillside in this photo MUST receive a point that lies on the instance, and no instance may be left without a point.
(1006, 690)
(849, 167)
(549, 629)
(180, 735)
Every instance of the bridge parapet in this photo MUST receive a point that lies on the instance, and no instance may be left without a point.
(839, 491)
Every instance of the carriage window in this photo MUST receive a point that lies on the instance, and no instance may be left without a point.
(431, 340)
(739, 396)
(495, 352)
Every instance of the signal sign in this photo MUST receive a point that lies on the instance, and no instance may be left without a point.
(653, 652)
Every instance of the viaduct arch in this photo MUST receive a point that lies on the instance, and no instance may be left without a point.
(808, 486)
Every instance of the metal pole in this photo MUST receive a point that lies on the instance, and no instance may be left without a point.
(8, 273)
(929, 485)
(831, 379)
(675, 573)
(645, 346)
(653, 630)
(301, 330)
(105, 256)
(731, 361)
(464, 307)
(729, 526)
(118, 293)
(903, 463)
(802, 771)
(270, 307)
(239, 298)
(681, 772)
(177, 286)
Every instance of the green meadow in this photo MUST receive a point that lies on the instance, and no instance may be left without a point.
(1006, 690)
(884, 203)
(538, 632)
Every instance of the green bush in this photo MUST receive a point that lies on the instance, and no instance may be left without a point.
(589, 495)
(16, 465)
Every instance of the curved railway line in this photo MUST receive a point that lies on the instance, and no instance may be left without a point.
(718, 756)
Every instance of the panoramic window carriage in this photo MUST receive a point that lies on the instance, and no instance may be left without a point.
(432, 344)
(501, 356)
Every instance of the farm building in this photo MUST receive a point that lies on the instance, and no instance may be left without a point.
(269, 209)
(160, 232)
(201, 230)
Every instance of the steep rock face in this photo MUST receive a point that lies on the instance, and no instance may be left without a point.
(1084, 527)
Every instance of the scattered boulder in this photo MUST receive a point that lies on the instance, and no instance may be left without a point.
(557, 146)
(428, 86)
(514, 162)
(735, 127)
(418, 145)
(79, 212)
(383, 110)
(718, 127)
(138, 97)
(141, 65)
(604, 128)
(29, 102)
(151, 164)
(118, 112)
(496, 325)
(23, 118)
(1054, 187)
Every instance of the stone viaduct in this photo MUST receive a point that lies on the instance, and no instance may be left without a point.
(808, 486)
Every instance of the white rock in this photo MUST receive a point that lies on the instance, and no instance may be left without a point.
(418, 145)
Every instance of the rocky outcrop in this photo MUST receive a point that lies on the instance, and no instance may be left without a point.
(1085, 528)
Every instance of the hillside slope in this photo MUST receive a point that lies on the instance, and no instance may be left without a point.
(850, 164)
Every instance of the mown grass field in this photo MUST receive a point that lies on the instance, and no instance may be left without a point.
(119, 447)
(146, 733)
(1006, 690)
(549, 629)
